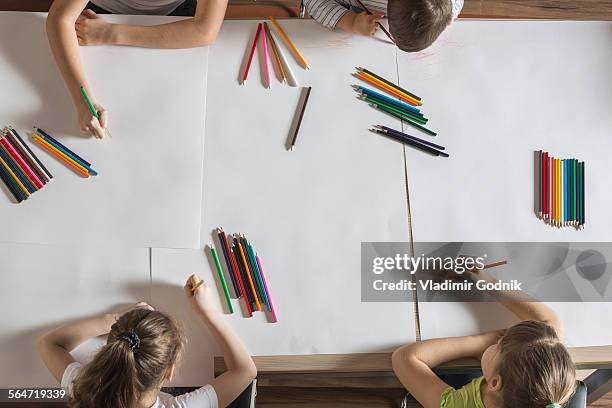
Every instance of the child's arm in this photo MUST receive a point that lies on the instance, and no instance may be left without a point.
(198, 31)
(332, 14)
(55, 346)
(413, 363)
(360, 23)
(65, 47)
(241, 369)
(522, 305)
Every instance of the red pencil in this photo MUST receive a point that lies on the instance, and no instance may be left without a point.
(241, 283)
(550, 188)
(21, 163)
(544, 184)
(246, 71)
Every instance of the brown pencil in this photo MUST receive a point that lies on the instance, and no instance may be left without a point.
(275, 51)
(382, 27)
(297, 127)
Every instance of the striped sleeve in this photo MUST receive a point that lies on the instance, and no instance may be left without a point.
(326, 12)
(457, 6)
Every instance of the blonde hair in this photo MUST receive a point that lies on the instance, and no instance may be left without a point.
(536, 368)
(142, 345)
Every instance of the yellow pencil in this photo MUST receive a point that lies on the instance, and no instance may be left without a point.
(25, 190)
(195, 287)
(401, 93)
(290, 43)
(61, 155)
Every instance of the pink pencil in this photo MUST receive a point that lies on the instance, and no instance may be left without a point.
(31, 175)
(263, 278)
(246, 71)
(266, 57)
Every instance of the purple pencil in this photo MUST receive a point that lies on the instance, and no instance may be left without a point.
(263, 278)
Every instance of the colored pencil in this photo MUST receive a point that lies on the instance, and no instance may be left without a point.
(393, 108)
(65, 159)
(291, 80)
(11, 184)
(545, 192)
(379, 84)
(254, 273)
(23, 167)
(539, 182)
(27, 184)
(93, 109)
(562, 200)
(275, 51)
(387, 99)
(26, 157)
(290, 43)
(262, 287)
(554, 191)
(38, 162)
(24, 191)
(405, 119)
(263, 277)
(574, 195)
(414, 138)
(230, 272)
(249, 275)
(382, 27)
(54, 141)
(299, 122)
(243, 285)
(559, 189)
(410, 142)
(195, 287)
(582, 196)
(550, 190)
(579, 192)
(250, 60)
(264, 43)
(391, 84)
(222, 279)
(68, 154)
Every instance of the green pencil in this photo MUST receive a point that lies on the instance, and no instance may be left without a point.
(222, 279)
(93, 109)
(404, 118)
(398, 110)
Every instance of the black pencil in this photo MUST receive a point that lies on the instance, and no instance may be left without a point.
(416, 139)
(391, 84)
(410, 142)
(244, 274)
(297, 128)
(45, 134)
(382, 27)
(6, 178)
(49, 175)
(228, 262)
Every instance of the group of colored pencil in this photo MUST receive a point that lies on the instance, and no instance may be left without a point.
(21, 171)
(62, 153)
(284, 69)
(561, 186)
(418, 143)
(246, 273)
(402, 105)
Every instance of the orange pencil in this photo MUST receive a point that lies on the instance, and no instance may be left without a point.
(61, 156)
(404, 94)
(7, 168)
(386, 88)
(246, 267)
(290, 43)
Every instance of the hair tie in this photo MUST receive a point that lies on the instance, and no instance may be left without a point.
(554, 405)
(133, 340)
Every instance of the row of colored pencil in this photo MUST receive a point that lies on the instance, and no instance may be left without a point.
(62, 153)
(283, 67)
(20, 169)
(244, 267)
(402, 104)
(561, 190)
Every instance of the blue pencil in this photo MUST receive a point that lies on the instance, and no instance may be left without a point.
(258, 276)
(564, 191)
(69, 153)
(388, 100)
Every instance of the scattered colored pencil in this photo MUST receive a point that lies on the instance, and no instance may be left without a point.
(381, 85)
(391, 84)
(373, 94)
(290, 44)
(291, 80)
(41, 166)
(68, 154)
(299, 122)
(400, 111)
(222, 279)
(50, 138)
(27, 184)
(405, 119)
(224, 251)
(416, 139)
(63, 158)
(250, 60)
(410, 142)
(382, 27)
(263, 277)
(276, 52)
(264, 43)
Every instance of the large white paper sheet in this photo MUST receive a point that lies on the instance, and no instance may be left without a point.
(497, 92)
(148, 192)
(45, 286)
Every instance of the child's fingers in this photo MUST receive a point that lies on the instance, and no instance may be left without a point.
(89, 13)
(103, 115)
(96, 128)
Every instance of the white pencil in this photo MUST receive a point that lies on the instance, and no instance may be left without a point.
(290, 76)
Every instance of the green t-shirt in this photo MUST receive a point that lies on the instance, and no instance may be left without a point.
(467, 396)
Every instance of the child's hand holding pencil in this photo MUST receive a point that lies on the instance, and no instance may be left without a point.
(93, 118)
(199, 294)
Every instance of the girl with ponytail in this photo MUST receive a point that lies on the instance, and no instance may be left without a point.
(524, 366)
(141, 352)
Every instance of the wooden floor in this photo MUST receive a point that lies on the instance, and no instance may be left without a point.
(548, 9)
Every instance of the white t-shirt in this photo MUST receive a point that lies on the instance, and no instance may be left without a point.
(204, 397)
(155, 7)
